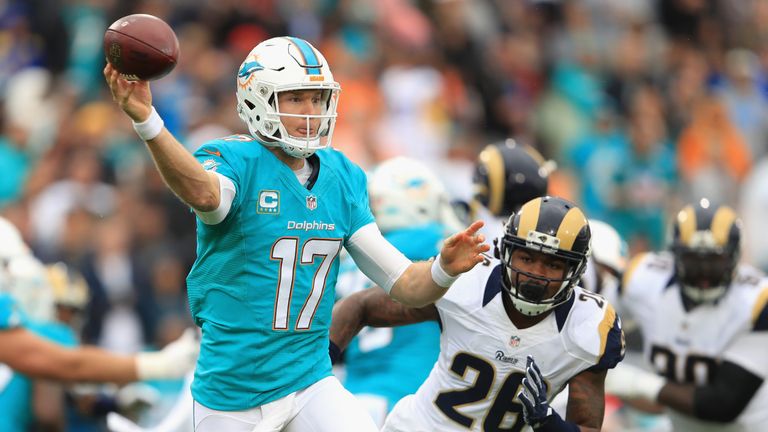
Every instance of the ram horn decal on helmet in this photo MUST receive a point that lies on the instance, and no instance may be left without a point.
(548, 225)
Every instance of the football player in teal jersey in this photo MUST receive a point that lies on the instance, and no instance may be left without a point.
(34, 356)
(25, 352)
(274, 209)
(24, 401)
(413, 212)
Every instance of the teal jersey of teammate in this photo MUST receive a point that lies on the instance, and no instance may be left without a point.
(394, 362)
(11, 316)
(262, 287)
(16, 413)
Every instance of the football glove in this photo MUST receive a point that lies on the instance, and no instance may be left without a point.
(533, 396)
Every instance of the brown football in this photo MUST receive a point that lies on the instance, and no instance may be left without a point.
(141, 47)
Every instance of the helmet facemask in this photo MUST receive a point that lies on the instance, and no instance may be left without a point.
(704, 273)
(530, 294)
(548, 229)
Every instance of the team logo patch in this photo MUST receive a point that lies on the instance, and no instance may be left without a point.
(210, 165)
(311, 202)
(502, 357)
(514, 341)
(269, 202)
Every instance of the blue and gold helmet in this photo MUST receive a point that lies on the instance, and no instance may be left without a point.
(706, 243)
(509, 174)
(549, 225)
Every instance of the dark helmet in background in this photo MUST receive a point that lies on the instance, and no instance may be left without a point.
(508, 175)
(706, 243)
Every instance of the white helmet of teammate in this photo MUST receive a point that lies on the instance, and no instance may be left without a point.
(405, 193)
(608, 248)
(11, 243)
(27, 282)
(285, 64)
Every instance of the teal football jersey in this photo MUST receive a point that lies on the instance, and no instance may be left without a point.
(11, 315)
(16, 389)
(262, 287)
(393, 362)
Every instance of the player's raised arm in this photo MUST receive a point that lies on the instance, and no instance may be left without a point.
(424, 283)
(180, 170)
(373, 307)
(421, 283)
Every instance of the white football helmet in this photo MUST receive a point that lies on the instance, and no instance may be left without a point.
(608, 248)
(284, 64)
(27, 281)
(405, 193)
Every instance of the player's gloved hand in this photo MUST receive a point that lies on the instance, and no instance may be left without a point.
(631, 382)
(536, 410)
(533, 396)
(173, 361)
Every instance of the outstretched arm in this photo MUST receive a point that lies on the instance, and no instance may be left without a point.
(34, 356)
(180, 170)
(424, 282)
(415, 284)
(719, 401)
(373, 307)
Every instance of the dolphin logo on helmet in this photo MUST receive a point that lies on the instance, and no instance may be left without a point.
(278, 65)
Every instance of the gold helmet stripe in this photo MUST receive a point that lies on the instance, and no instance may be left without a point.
(494, 162)
(686, 221)
(535, 155)
(529, 217)
(722, 223)
(573, 222)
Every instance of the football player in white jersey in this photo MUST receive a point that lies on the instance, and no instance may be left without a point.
(704, 320)
(496, 321)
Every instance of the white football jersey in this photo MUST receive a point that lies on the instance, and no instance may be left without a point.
(687, 346)
(475, 382)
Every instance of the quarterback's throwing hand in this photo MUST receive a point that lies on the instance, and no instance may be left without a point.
(533, 396)
(462, 251)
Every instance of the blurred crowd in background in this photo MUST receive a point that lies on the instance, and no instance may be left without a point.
(644, 105)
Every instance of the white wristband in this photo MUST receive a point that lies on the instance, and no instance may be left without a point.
(439, 275)
(151, 127)
(153, 366)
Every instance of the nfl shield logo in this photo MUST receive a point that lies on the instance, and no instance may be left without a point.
(514, 341)
(311, 202)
